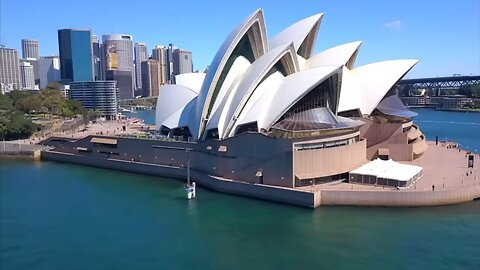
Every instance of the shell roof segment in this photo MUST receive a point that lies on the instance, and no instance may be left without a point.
(251, 29)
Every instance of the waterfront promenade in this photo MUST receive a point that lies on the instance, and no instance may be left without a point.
(129, 126)
(25, 148)
(444, 167)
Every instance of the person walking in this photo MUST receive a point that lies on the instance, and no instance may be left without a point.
(433, 187)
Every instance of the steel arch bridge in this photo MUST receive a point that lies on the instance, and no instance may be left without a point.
(438, 83)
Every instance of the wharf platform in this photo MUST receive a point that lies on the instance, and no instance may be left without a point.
(444, 167)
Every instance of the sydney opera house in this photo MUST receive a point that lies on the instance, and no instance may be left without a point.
(270, 111)
(272, 120)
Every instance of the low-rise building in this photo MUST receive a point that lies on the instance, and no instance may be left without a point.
(97, 95)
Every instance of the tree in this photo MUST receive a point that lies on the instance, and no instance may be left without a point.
(54, 85)
(75, 106)
(16, 126)
(15, 95)
(475, 90)
(29, 104)
(90, 115)
(6, 103)
(52, 100)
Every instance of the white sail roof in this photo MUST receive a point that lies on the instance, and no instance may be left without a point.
(190, 80)
(365, 86)
(254, 75)
(342, 55)
(292, 89)
(253, 27)
(171, 98)
(182, 117)
(302, 34)
(251, 82)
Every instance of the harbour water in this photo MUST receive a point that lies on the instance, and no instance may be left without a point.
(461, 127)
(60, 216)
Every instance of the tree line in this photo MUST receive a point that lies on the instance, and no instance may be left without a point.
(17, 107)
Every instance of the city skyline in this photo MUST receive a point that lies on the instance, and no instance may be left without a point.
(409, 29)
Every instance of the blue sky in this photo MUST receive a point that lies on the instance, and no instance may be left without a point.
(443, 34)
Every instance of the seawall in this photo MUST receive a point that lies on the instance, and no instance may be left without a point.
(13, 150)
(258, 191)
(400, 198)
(443, 167)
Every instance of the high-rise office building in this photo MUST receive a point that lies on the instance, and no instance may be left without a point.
(170, 50)
(36, 69)
(150, 78)
(9, 70)
(103, 60)
(159, 53)
(49, 70)
(30, 49)
(97, 95)
(118, 51)
(141, 55)
(97, 64)
(182, 62)
(76, 61)
(30, 52)
(27, 75)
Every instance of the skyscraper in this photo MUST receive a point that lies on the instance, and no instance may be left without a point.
(28, 75)
(30, 49)
(182, 62)
(9, 70)
(150, 78)
(159, 53)
(170, 49)
(30, 52)
(76, 61)
(49, 70)
(118, 51)
(140, 56)
(97, 65)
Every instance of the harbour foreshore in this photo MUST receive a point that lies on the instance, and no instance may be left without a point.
(13, 150)
(451, 187)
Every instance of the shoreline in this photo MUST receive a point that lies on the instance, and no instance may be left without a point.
(455, 189)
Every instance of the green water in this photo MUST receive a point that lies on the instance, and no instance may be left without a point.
(57, 216)
(60, 216)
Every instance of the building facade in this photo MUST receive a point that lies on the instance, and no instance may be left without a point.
(9, 70)
(159, 53)
(76, 55)
(30, 49)
(182, 62)
(97, 63)
(141, 55)
(49, 70)
(118, 50)
(30, 52)
(97, 95)
(28, 75)
(170, 76)
(150, 78)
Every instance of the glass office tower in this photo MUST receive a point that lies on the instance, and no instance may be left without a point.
(76, 61)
